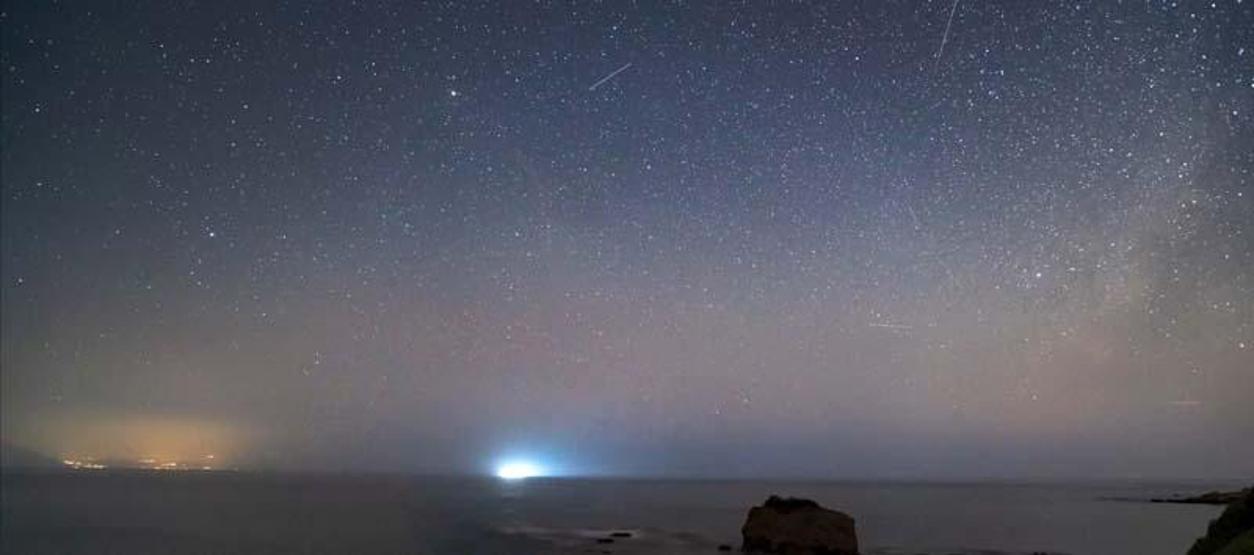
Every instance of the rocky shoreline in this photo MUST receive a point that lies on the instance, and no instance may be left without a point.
(1233, 532)
(798, 526)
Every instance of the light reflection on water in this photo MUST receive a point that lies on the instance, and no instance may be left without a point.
(256, 513)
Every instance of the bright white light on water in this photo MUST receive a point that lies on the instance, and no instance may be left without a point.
(517, 470)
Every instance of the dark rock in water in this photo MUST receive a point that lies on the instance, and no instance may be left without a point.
(1232, 533)
(798, 527)
(724, 547)
(1208, 498)
(605, 540)
(620, 534)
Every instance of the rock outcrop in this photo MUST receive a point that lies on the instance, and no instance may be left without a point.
(795, 526)
(1232, 533)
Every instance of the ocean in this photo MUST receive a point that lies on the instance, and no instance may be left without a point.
(237, 512)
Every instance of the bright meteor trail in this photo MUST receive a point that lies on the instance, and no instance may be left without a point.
(610, 76)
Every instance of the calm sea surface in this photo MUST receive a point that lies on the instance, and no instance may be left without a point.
(110, 512)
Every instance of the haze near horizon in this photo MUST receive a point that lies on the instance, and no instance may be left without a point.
(919, 240)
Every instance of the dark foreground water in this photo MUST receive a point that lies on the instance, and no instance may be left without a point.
(136, 512)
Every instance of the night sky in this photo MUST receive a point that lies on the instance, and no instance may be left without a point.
(848, 239)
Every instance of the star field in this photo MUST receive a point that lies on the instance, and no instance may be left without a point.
(821, 239)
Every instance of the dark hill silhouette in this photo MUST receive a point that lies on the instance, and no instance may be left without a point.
(16, 457)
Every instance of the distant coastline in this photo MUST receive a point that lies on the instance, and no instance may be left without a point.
(1208, 498)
